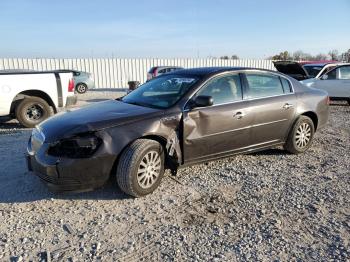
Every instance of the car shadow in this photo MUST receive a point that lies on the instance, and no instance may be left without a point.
(32, 189)
(270, 152)
(8, 126)
(339, 103)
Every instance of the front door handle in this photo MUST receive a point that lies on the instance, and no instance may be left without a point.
(287, 106)
(239, 115)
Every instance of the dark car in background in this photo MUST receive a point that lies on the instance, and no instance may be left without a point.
(159, 70)
(178, 119)
(304, 70)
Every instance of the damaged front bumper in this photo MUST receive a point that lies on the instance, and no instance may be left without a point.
(64, 174)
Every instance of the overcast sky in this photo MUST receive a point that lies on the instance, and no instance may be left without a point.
(177, 28)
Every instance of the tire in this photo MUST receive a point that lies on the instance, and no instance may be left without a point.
(32, 110)
(134, 159)
(81, 88)
(302, 130)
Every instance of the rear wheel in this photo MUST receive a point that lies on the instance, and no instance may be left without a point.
(301, 135)
(141, 167)
(32, 111)
(81, 88)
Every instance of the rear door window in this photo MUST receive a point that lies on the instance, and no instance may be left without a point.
(263, 85)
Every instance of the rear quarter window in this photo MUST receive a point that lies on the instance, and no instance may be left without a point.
(286, 85)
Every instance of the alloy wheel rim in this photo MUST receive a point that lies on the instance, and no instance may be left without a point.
(34, 112)
(149, 169)
(303, 135)
(81, 88)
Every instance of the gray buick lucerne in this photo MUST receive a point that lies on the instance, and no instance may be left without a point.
(178, 119)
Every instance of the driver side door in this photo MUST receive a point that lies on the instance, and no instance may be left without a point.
(220, 129)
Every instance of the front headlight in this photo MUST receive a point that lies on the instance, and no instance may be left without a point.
(81, 146)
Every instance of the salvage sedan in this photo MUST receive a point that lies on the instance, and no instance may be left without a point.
(177, 119)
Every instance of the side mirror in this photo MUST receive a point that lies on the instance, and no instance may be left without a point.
(324, 77)
(203, 101)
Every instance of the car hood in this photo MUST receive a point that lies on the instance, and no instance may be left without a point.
(93, 117)
(293, 69)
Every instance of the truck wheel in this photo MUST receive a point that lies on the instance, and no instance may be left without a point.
(301, 135)
(32, 111)
(141, 167)
(81, 88)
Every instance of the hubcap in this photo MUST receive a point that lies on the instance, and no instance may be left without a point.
(34, 112)
(149, 169)
(81, 88)
(303, 135)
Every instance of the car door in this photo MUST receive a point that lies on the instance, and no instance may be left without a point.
(272, 104)
(336, 82)
(218, 129)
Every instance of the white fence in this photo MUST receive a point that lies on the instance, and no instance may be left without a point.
(115, 72)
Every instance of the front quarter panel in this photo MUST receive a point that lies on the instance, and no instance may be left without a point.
(164, 129)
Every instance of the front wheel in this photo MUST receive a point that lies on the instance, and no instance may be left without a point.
(301, 135)
(141, 167)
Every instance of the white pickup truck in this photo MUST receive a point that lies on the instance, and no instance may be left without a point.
(31, 97)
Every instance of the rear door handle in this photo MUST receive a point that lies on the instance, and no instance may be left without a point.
(239, 115)
(287, 106)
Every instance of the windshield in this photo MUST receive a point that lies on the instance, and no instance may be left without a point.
(313, 70)
(161, 92)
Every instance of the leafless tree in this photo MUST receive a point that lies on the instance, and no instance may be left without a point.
(333, 54)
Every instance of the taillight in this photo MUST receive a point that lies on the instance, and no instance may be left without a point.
(155, 73)
(71, 85)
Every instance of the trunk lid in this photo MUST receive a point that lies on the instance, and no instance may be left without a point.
(291, 68)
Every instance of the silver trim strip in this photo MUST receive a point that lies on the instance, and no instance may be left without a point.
(238, 129)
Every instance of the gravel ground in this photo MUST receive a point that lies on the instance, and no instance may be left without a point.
(267, 206)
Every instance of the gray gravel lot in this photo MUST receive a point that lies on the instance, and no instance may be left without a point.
(265, 206)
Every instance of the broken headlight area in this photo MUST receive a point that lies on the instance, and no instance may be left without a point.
(81, 146)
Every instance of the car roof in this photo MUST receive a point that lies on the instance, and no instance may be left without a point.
(203, 71)
(318, 62)
(315, 64)
(162, 67)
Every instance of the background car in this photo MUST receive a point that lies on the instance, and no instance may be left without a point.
(83, 81)
(304, 70)
(209, 113)
(336, 82)
(159, 70)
